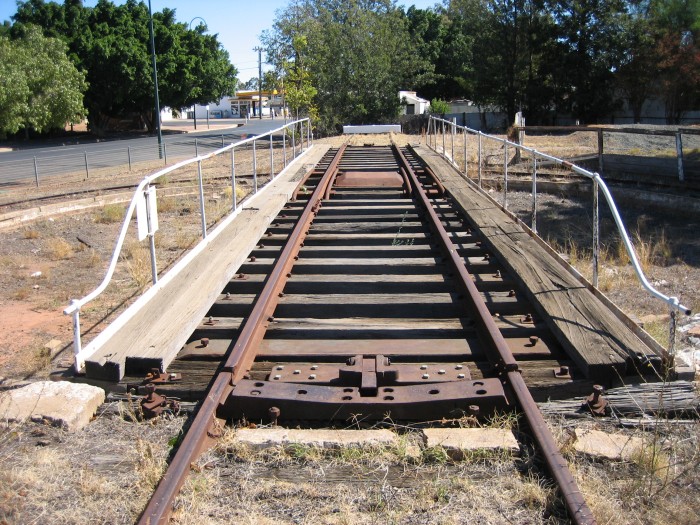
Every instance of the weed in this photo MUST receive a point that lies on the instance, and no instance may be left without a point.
(58, 249)
(111, 213)
(30, 234)
(436, 455)
(22, 293)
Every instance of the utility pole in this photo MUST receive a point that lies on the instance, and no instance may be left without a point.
(259, 50)
(155, 80)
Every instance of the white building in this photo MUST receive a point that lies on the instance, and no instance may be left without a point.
(412, 104)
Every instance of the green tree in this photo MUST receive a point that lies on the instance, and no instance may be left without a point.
(439, 107)
(357, 55)
(111, 44)
(40, 88)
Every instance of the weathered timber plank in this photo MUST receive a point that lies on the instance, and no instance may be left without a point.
(164, 323)
(595, 339)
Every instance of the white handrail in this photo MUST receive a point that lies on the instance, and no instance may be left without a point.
(76, 304)
(672, 301)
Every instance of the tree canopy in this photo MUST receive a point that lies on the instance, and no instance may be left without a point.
(111, 45)
(40, 88)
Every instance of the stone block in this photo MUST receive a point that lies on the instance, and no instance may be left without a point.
(457, 441)
(64, 404)
(261, 438)
(53, 347)
(600, 444)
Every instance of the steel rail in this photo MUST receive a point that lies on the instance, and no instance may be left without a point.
(204, 426)
(506, 363)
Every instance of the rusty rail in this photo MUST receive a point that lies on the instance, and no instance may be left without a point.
(507, 365)
(205, 424)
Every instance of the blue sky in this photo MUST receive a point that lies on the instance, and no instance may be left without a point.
(238, 23)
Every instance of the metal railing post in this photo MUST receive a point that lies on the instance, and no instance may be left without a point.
(672, 333)
(479, 159)
(222, 140)
(128, 154)
(294, 144)
(596, 234)
(466, 164)
(233, 178)
(36, 173)
(255, 169)
(201, 199)
(600, 151)
(533, 222)
(196, 148)
(87, 167)
(443, 138)
(77, 343)
(453, 130)
(165, 154)
(505, 175)
(284, 146)
(679, 155)
(151, 234)
(272, 160)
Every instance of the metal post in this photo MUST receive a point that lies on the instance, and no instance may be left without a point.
(233, 177)
(77, 343)
(596, 233)
(679, 154)
(533, 223)
(196, 148)
(36, 173)
(479, 159)
(443, 138)
(165, 153)
(201, 199)
(272, 160)
(255, 170)
(128, 154)
(151, 236)
(505, 174)
(309, 134)
(453, 129)
(466, 164)
(222, 141)
(600, 151)
(672, 335)
(284, 146)
(155, 79)
(87, 167)
(294, 144)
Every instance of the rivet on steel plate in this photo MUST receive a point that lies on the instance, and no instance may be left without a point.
(527, 319)
(280, 367)
(459, 367)
(261, 245)
(277, 377)
(460, 376)
(312, 376)
(441, 372)
(423, 367)
(534, 339)
(425, 376)
(271, 318)
(252, 258)
(297, 372)
(281, 294)
(511, 293)
(204, 341)
(314, 367)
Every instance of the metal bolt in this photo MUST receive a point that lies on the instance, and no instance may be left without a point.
(281, 294)
(425, 376)
(534, 339)
(252, 258)
(473, 410)
(564, 371)
(528, 318)
(274, 413)
(460, 376)
(498, 274)
(277, 377)
(228, 296)
(315, 367)
(204, 341)
(423, 367)
(441, 372)
(297, 372)
(312, 376)
(597, 392)
(280, 367)
(459, 367)
(511, 293)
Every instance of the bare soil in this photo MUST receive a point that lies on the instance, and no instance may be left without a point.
(105, 473)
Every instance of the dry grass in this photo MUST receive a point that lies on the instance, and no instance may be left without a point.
(58, 249)
(111, 213)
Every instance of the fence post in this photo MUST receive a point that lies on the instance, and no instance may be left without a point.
(294, 144)
(128, 154)
(453, 129)
(272, 160)
(165, 154)
(679, 154)
(533, 223)
(201, 199)
(284, 146)
(87, 167)
(596, 233)
(222, 140)
(466, 166)
(196, 148)
(255, 169)
(443, 138)
(600, 151)
(505, 174)
(36, 173)
(479, 159)
(233, 178)
(151, 235)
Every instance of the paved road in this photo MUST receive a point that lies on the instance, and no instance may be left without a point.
(51, 161)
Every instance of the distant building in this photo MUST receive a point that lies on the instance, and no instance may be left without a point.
(412, 104)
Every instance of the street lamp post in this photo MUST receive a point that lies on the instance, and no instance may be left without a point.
(194, 106)
(155, 80)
